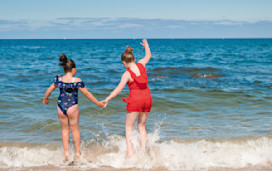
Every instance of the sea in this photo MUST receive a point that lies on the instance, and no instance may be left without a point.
(211, 110)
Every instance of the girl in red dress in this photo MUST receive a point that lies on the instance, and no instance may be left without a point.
(139, 101)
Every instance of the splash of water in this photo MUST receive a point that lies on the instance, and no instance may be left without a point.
(175, 154)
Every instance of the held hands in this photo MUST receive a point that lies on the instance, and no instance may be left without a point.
(102, 104)
(105, 102)
(144, 43)
(45, 101)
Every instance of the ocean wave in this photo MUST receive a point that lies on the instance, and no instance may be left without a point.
(175, 154)
(183, 70)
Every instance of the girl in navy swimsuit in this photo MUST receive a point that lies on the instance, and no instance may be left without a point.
(68, 111)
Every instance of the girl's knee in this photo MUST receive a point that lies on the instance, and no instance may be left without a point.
(74, 127)
(65, 128)
(141, 125)
(129, 128)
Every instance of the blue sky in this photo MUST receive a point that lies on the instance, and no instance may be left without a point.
(135, 19)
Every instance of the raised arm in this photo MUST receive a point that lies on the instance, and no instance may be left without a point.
(48, 93)
(120, 86)
(90, 96)
(147, 57)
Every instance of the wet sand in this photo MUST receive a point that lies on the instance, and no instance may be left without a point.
(72, 168)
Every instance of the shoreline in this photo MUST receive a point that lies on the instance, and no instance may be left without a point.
(72, 168)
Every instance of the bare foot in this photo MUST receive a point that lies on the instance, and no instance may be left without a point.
(143, 148)
(129, 155)
(78, 155)
(129, 151)
(66, 157)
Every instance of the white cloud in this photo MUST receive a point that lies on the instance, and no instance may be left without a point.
(229, 23)
(175, 27)
(128, 25)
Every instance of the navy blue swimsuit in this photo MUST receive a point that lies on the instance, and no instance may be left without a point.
(68, 93)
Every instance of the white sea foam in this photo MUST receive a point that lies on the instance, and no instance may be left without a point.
(172, 154)
(28, 156)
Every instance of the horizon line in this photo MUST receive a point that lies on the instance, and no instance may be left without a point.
(131, 38)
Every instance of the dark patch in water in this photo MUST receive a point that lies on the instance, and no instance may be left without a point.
(114, 71)
(37, 47)
(199, 75)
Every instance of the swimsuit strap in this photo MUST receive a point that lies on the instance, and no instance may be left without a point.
(73, 80)
(133, 75)
(140, 67)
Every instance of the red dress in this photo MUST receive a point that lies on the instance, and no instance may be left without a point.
(139, 99)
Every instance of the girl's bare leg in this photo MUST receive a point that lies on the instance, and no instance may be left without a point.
(130, 120)
(73, 115)
(65, 132)
(141, 127)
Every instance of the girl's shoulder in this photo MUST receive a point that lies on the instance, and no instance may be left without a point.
(57, 78)
(77, 79)
(78, 82)
(126, 74)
